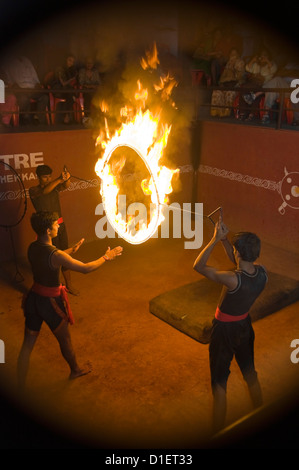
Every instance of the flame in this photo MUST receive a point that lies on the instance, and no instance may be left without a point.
(144, 133)
(151, 61)
(141, 94)
(104, 106)
(166, 85)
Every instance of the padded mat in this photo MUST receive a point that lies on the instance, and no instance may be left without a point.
(191, 308)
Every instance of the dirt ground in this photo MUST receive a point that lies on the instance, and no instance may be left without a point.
(150, 384)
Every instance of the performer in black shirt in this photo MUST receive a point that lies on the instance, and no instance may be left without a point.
(232, 332)
(47, 299)
(45, 197)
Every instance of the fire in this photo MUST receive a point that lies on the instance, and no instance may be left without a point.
(166, 86)
(142, 133)
(141, 94)
(152, 60)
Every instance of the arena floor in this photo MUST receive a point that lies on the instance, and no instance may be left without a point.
(150, 384)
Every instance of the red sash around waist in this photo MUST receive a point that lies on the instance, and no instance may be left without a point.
(59, 291)
(225, 317)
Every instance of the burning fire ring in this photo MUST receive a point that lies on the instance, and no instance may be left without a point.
(153, 225)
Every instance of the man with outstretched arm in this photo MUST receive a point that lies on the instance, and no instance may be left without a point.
(46, 197)
(47, 299)
(232, 332)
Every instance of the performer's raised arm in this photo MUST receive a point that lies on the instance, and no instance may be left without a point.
(200, 265)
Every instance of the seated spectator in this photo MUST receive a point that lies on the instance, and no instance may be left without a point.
(8, 108)
(206, 52)
(22, 75)
(89, 79)
(260, 70)
(225, 41)
(282, 80)
(66, 78)
(232, 76)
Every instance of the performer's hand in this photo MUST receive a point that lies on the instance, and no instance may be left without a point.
(77, 245)
(224, 227)
(65, 176)
(111, 254)
(221, 230)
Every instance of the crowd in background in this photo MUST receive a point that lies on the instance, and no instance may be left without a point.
(30, 95)
(241, 77)
(222, 57)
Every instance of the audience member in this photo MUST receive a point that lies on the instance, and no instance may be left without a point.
(9, 107)
(260, 70)
(282, 80)
(89, 79)
(232, 76)
(66, 78)
(225, 41)
(206, 52)
(21, 74)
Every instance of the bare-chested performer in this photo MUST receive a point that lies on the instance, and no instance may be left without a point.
(47, 299)
(232, 332)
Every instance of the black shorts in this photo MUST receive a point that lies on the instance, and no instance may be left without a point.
(39, 309)
(229, 339)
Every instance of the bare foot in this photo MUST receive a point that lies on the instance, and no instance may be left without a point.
(80, 372)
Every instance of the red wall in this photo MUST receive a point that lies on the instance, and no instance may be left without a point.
(76, 150)
(242, 169)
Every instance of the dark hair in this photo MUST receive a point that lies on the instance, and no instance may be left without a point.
(248, 245)
(43, 170)
(41, 221)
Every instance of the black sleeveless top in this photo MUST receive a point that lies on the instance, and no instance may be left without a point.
(39, 256)
(239, 301)
(47, 202)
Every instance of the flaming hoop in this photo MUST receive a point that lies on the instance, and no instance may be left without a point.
(122, 228)
(144, 134)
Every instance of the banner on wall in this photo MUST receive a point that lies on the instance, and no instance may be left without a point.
(20, 155)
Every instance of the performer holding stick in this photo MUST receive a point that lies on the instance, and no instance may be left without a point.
(45, 197)
(47, 300)
(232, 332)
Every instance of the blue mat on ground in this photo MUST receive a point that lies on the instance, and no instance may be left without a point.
(191, 307)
